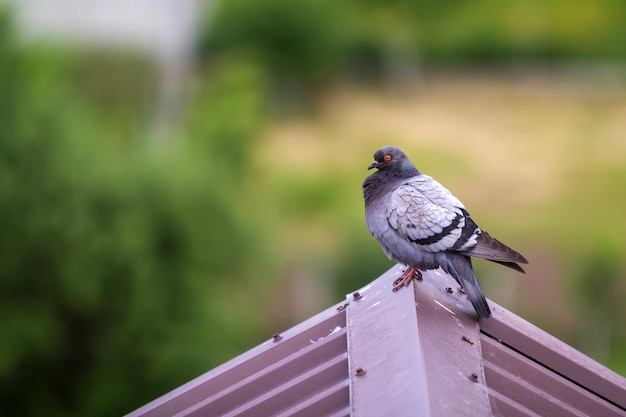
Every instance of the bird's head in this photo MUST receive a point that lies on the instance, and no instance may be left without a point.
(394, 159)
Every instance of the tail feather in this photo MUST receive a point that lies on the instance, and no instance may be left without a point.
(511, 265)
(460, 267)
(492, 249)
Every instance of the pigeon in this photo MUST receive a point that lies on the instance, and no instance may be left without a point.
(420, 224)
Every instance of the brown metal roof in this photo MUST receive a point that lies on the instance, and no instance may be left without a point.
(413, 350)
(301, 373)
(529, 371)
(416, 352)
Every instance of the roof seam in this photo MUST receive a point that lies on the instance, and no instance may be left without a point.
(549, 400)
(519, 352)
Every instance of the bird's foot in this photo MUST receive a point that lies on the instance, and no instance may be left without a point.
(407, 276)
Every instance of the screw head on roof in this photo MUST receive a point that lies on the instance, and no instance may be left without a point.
(356, 295)
(360, 371)
(468, 340)
(277, 337)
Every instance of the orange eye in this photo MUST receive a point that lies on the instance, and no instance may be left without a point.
(387, 157)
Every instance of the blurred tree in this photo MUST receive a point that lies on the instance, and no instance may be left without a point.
(318, 38)
(297, 45)
(303, 45)
(600, 287)
(225, 114)
(114, 262)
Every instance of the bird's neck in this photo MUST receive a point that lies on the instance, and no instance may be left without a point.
(373, 185)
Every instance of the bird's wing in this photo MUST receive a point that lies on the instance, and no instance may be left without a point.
(425, 213)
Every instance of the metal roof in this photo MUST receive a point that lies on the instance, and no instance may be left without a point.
(416, 352)
(300, 372)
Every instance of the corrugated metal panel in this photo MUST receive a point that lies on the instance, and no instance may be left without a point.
(302, 374)
(419, 348)
(531, 373)
(415, 352)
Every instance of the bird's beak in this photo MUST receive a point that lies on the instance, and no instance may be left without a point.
(373, 165)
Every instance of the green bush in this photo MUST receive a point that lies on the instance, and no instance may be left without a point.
(115, 260)
(295, 41)
(312, 39)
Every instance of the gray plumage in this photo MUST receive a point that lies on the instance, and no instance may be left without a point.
(419, 223)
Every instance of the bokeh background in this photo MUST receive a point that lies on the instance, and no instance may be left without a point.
(181, 179)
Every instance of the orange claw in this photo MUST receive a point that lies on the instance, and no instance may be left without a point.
(407, 276)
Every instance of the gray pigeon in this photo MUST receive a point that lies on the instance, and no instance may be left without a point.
(419, 223)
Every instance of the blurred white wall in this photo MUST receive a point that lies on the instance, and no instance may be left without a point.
(165, 29)
(162, 27)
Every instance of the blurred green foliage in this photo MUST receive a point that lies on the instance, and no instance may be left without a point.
(300, 42)
(312, 41)
(117, 258)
